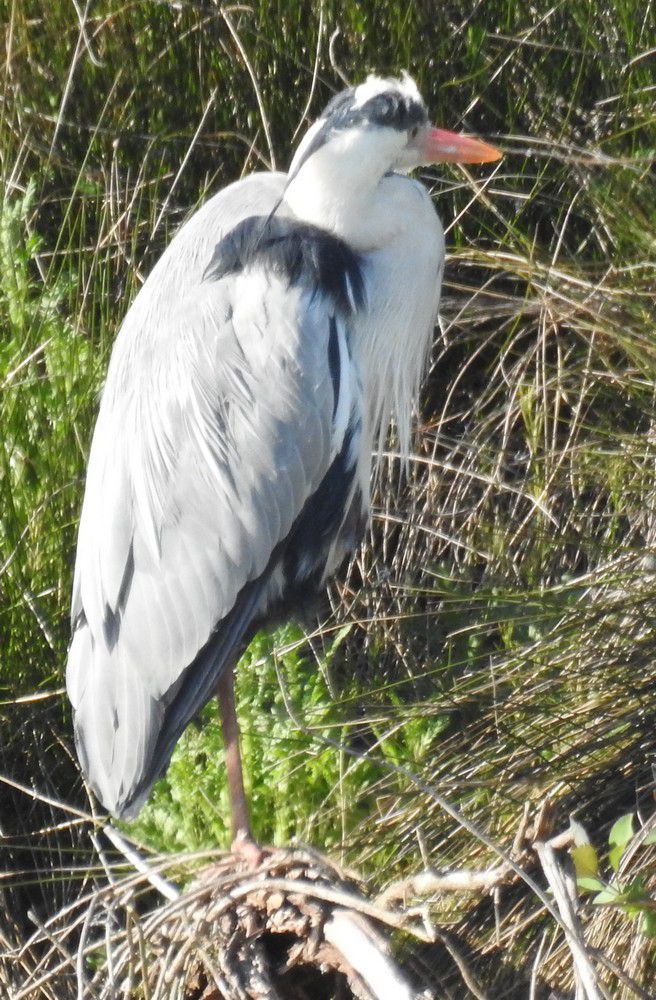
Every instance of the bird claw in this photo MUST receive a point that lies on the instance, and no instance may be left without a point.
(245, 848)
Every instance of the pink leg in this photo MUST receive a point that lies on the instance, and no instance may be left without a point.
(243, 842)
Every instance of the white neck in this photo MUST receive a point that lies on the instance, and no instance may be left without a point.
(345, 187)
(341, 188)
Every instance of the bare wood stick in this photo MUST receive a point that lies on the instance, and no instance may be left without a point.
(166, 888)
(354, 939)
(339, 897)
(333, 61)
(256, 87)
(623, 977)
(432, 883)
(315, 74)
(57, 945)
(436, 883)
(199, 128)
(587, 984)
(468, 977)
(82, 985)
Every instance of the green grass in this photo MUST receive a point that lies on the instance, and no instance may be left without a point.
(498, 634)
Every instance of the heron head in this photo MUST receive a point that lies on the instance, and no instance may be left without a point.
(381, 126)
(365, 135)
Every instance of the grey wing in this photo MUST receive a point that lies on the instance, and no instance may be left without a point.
(218, 424)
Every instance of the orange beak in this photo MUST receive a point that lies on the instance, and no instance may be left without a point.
(440, 146)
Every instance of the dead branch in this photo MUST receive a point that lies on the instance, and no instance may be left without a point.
(438, 883)
(564, 890)
(368, 954)
(297, 926)
(297, 907)
(431, 883)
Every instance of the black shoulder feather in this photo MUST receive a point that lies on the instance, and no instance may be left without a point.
(299, 253)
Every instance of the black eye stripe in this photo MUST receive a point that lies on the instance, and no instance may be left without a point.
(388, 109)
(393, 110)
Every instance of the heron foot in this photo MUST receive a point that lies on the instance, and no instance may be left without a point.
(245, 848)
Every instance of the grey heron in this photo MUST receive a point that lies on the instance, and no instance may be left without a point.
(284, 327)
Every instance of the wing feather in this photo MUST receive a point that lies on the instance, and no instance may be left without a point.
(216, 427)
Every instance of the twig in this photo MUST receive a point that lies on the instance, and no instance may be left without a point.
(623, 977)
(432, 883)
(57, 946)
(339, 897)
(42, 621)
(585, 975)
(68, 86)
(82, 18)
(315, 74)
(333, 61)
(537, 962)
(46, 799)
(82, 985)
(194, 139)
(353, 938)
(166, 888)
(256, 86)
(468, 977)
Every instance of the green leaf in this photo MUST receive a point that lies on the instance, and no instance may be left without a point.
(650, 838)
(590, 884)
(586, 862)
(636, 889)
(621, 831)
(607, 895)
(615, 856)
(648, 923)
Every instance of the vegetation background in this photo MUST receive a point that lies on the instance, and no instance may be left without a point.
(496, 635)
